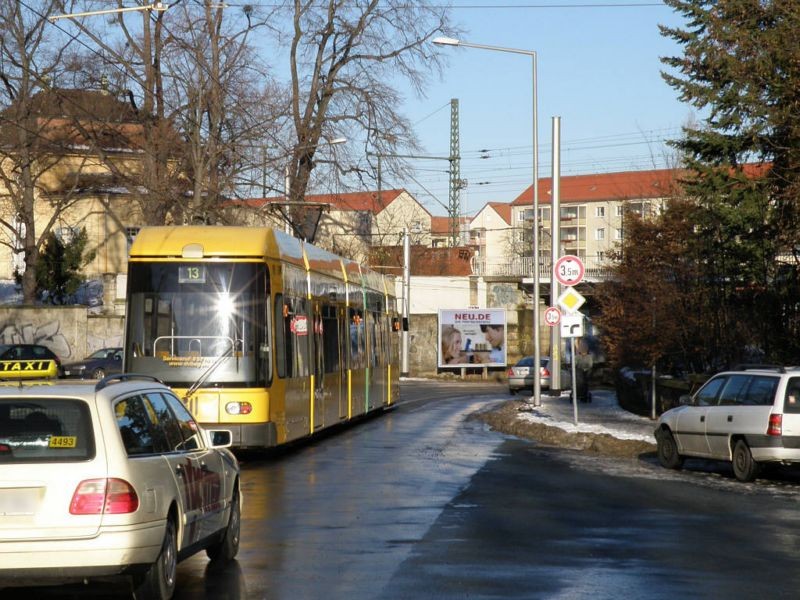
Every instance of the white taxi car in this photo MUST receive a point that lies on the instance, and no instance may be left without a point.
(747, 417)
(110, 478)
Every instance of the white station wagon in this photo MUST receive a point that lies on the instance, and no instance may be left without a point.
(110, 478)
(747, 417)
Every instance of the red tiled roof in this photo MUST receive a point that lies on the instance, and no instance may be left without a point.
(441, 225)
(355, 201)
(503, 209)
(657, 183)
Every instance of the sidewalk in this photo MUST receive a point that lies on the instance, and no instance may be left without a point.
(601, 415)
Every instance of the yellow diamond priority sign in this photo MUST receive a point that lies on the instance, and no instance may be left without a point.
(570, 300)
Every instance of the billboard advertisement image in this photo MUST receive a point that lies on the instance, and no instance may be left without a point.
(472, 337)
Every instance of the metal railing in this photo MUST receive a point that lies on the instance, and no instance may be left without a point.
(522, 266)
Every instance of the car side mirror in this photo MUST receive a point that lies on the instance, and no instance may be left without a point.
(219, 438)
(685, 399)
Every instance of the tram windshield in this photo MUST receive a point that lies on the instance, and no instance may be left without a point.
(187, 321)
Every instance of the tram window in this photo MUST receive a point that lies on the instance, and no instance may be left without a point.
(301, 331)
(356, 339)
(292, 332)
(280, 336)
(375, 349)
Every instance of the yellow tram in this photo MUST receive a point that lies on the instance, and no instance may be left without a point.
(259, 332)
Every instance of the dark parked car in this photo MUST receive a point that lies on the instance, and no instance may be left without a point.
(106, 361)
(28, 361)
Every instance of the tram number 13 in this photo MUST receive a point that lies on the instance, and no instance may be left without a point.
(192, 274)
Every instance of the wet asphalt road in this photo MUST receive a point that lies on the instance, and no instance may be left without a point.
(422, 503)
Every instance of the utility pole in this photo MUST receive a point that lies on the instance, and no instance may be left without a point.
(454, 204)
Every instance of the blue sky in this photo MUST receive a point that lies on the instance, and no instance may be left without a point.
(598, 69)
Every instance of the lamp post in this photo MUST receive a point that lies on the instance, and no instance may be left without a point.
(446, 41)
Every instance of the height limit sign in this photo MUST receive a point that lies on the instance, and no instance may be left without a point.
(568, 270)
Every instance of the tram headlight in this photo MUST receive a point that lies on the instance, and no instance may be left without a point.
(225, 305)
(238, 408)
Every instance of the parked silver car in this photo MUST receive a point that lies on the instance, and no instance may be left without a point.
(747, 417)
(110, 478)
(520, 376)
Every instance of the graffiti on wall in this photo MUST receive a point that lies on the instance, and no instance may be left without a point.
(504, 294)
(47, 334)
(95, 342)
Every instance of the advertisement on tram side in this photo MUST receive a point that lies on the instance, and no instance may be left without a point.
(472, 337)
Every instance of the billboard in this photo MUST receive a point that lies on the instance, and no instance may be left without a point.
(472, 337)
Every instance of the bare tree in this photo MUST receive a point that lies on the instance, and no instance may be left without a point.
(33, 139)
(344, 57)
(225, 104)
(191, 71)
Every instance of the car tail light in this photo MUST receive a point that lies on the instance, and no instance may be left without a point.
(510, 372)
(238, 408)
(545, 372)
(104, 496)
(775, 426)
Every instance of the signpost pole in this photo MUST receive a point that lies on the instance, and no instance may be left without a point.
(574, 382)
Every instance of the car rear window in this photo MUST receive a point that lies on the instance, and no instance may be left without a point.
(791, 402)
(45, 430)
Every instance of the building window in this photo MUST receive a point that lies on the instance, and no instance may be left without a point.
(130, 234)
(544, 213)
(416, 227)
(620, 210)
(600, 233)
(364, 223)
(65, 235)
(599, 211)
(618, 234)
(525, 215)
(601, 256)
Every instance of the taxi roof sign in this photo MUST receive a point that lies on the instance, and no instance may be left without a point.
(28, 368)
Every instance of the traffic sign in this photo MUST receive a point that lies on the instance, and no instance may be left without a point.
(570, 300)
(572, 326)
(552, 316)
(568, 270)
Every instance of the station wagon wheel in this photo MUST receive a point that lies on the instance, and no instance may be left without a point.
(158, 582)
(668, 454)
(227, 547)
(744, 467)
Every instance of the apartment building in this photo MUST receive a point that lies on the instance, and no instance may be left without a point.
(590, 220)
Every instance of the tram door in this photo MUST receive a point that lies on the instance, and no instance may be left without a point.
(319, 371)
(329, 384)
(341, 324)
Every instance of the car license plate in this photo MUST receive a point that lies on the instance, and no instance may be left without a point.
(19, 501)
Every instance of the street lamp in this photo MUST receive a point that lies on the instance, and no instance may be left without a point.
(155, 6)
(446, 41)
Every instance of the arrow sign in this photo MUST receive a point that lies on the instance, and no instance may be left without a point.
(572, 326)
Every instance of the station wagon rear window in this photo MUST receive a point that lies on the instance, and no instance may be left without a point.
(45, 430)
